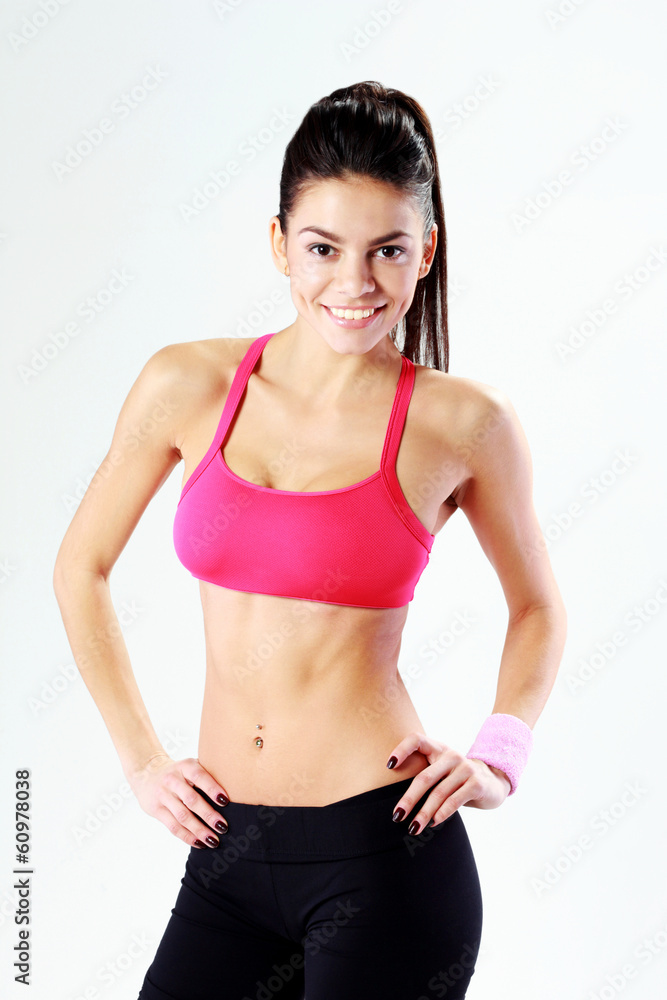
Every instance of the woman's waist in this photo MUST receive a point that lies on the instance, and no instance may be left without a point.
(309, 759)
(319, 777)
(285, 708)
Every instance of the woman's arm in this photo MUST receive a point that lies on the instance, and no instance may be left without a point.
(497, 499)
(143, 452)
(496, 496)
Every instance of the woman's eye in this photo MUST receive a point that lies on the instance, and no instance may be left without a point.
(318, 246)
(392, 248)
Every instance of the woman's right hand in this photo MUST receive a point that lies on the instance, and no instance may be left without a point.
(164, 789)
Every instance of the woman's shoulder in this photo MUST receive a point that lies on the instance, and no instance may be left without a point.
(197, 367)
(201, 358)
(466, 420)
(457, 401)
(184, 380)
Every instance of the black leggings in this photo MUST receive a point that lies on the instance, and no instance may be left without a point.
(323, 903)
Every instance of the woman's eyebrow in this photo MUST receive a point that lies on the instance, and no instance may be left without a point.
(337, 239)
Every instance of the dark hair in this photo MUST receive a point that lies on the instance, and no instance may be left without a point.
(374, 131)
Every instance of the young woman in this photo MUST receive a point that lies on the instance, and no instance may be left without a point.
(328, 857)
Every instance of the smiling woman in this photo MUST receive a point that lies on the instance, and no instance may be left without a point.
(364, 198)
(348, 314)
(319, 463)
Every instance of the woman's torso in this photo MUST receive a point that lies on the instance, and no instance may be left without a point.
(320, 679)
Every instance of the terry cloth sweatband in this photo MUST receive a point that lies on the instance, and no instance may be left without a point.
(505, 742)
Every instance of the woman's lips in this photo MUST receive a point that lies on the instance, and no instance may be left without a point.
(355, 324)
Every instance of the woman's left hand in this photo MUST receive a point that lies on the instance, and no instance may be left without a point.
(456, 780)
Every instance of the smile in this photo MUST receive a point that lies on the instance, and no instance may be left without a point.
(354, 319)
(353, 313)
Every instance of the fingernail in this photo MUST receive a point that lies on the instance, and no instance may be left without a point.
(213, 841)
(398, 815)
(222, 827)
(414, 826)
(222, 799)
(198, 843)
(392, 762)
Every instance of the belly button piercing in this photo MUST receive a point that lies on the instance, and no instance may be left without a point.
(259, 742)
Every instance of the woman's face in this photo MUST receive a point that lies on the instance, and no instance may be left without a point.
(355, 244)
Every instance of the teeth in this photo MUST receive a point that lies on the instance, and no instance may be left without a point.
(352, 313)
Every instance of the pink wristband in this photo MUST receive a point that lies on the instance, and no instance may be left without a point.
(504, 741)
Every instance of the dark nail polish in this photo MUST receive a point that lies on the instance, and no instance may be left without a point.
(392, 762)
(222, 799)
(398, 815)
(213, 841)
(222, 827)
(198, 843)
(414, 826)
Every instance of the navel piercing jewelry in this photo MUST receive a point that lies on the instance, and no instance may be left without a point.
(259, 742)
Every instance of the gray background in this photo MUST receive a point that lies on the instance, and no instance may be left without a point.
(533, 83)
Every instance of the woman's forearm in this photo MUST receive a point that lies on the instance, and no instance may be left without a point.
(102, 658)
(530, 660)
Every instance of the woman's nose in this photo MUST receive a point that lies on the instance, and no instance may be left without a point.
(353, 279)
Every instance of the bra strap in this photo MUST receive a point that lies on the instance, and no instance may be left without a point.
(239, 382)
(392, 442)
(397, 419)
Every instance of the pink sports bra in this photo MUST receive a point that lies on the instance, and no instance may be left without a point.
(360, 545)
